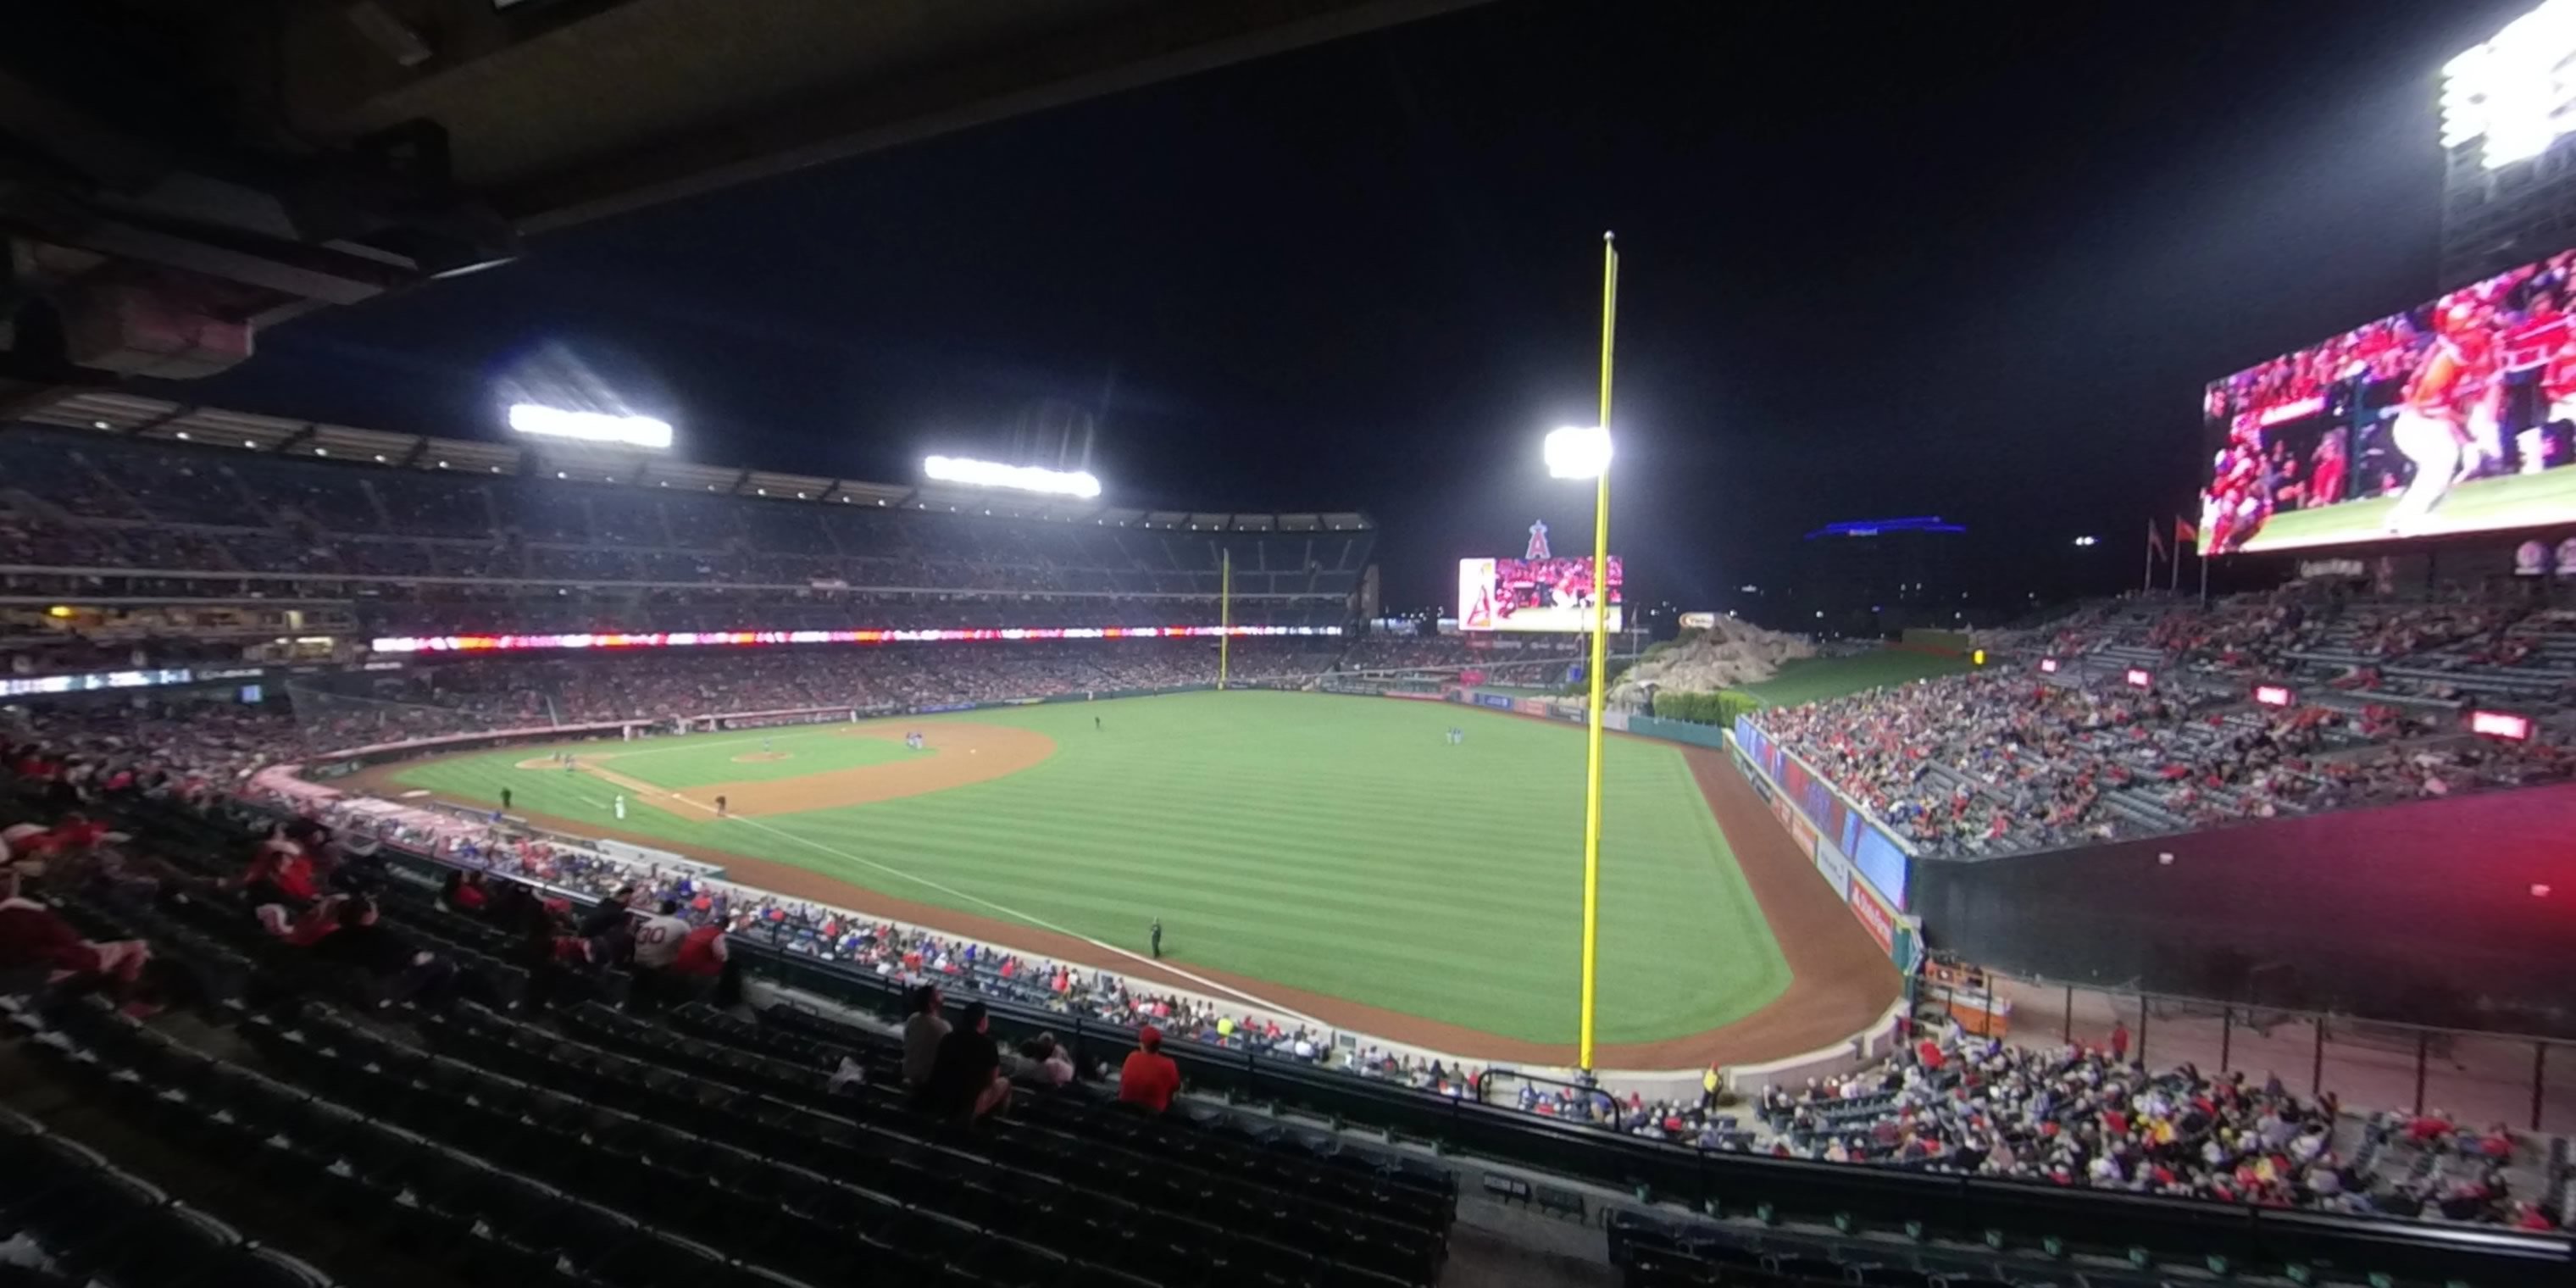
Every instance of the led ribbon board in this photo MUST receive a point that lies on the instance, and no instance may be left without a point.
(763, 639)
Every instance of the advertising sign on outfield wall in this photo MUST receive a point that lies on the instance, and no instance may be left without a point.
(1876, 854)
(1897, 935)
(1875, 917)
(1837, 870)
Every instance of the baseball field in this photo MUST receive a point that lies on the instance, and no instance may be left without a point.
(1336, 856)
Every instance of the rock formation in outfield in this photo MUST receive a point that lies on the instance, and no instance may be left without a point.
(1727, 655)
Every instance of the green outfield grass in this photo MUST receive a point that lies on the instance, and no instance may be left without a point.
(1333, 844)
(1816, 678)
(2481, 505)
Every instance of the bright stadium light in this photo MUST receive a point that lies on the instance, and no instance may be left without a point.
(1578, 452)
(2510, 91)
(1024, 478)
(594, 426)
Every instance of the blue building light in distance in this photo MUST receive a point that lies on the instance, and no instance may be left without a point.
(1874, 527)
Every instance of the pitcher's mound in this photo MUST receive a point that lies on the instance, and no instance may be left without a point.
(759, 757)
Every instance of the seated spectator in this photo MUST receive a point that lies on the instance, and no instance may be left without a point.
(1043, 1061)
(922, 1034)
(1149, 1078)
(281, 875)
(966, 1081)
(34, 937)
(353, 938)
(464, 892)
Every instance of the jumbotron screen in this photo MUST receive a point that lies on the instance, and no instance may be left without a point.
(1531, 594)
(2456, 416)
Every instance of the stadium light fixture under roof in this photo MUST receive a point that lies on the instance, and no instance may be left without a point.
(592, 426)
(1023, 478)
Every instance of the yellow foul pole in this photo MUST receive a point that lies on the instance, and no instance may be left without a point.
(1600, 655)
(1225, 615)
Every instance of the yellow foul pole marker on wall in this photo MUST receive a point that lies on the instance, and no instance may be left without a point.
(1225, 616)
(1600, 657)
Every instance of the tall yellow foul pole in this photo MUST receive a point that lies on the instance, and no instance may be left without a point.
(1600, 654)
(1225, 615)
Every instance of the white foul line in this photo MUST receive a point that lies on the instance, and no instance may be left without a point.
(1014, 914)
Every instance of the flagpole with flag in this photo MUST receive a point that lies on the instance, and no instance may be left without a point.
(2147, 579)
(2187, 534)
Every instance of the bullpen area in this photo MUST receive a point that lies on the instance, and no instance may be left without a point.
(1342, 857)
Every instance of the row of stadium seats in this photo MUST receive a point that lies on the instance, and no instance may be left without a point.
(69, 1216)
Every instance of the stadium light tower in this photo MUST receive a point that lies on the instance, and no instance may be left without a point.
(1584, 453)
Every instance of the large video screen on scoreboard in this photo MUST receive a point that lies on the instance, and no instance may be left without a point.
(2455, 416)
(1531, 594)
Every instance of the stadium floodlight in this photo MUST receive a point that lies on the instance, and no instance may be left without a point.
(2510, 91)
(1023, 478)
(1578, 452)
(594, 426)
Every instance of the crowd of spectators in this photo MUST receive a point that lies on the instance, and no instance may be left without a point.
(665, 688)
(2372, 700)
(2000, 760)
(119, 504)
(2089, 1116)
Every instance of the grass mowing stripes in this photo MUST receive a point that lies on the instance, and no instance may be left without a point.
(1338, 845)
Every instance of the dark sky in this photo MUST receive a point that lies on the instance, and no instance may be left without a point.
(1973, 260)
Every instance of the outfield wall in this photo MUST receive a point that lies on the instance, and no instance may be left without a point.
(2449, 912)
(1851, 853)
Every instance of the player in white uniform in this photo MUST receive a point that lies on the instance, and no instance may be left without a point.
(2434, 420)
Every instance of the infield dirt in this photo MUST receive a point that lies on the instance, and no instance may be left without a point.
(959, 754)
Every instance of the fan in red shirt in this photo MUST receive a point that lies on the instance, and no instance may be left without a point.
(281, 873)
(702, 953)
(35, 936)
(1149, 1078)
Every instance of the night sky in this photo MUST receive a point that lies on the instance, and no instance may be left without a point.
(1976, 261)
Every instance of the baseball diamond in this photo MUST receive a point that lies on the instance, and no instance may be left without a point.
(1333, 855)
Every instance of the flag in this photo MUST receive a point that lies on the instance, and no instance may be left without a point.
(2184, 533)
(2155, 540)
